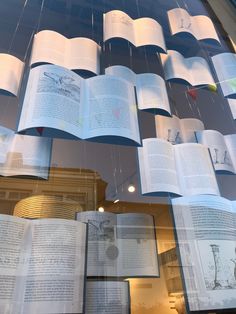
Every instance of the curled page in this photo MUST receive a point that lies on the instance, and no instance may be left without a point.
(140, 32)
(11, 69)
(74, 54)
(225, 67)
(201, 27)
(150, 88)
(194, 71)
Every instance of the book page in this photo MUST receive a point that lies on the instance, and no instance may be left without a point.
(225, 67)
(195, 169)
(151, 92)
(137, 245)
(49, 47)
(232, 105)
(122, 72)
(102, 247)
(12, 68)
(13, 258)
(169, 129)
(220, 154)
(118, 24)
(112, 109)
(56, 269)
(28, 155)
(189, 127)
(6, 138)
(230, 141)
(107, 297)
(83, 53)
(149, 32)
(200, 71)
(204, 28)
(53, 98)
(180, 21)
(157, 167)
(206, 234)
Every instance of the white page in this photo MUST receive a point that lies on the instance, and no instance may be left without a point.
(28, 155)
(225, 67)
(151, 92)
(195, 169)
(122, 72)
(56, 269)
(136, 241)
(13, 247)
(157, 167)
(230, 141)
(189, 126)
(6, 138)
(83, 53)
(200, 71)
(206, 235)
(204, 28)
(12, 68)
(118, 24)
(220, 154)
(232, 105)
(53, 98)
(102, 248)
(169, 129)
(50, 47)
(149, 32)
(107, 297)
(112, 109)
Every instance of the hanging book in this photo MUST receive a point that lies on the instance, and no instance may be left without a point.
(183, 169)
(201, 27)
(22, 155)
(194, 71)
(150, 89)
(205, 228)
(122, 245)
(140, 32)
(75, 54)
(43, 265)
(102, 108)
(225, 67)
(11, 69)
(177, 131)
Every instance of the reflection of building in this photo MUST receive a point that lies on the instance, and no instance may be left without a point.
(14, 160)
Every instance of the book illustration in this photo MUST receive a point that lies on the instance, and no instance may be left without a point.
(150, 89)
(101, 108)
(12, 68)
(100, 230)
(200, 27)
(225, 68)
(75, 54)
(193, 71)
(140, 32)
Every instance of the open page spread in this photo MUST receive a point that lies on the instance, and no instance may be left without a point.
(47, 266)
(111, 297)
(206, 237)
(225, 67)
(118, 245)
(194, 70)
(76, 53)
(140, 32)
(200, 26)
(12, 68)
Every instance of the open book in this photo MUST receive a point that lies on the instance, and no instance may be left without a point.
(22, 155)
(107, 297)
(232, 105)
(176, 131)
(150, 88)
(200, 26)
(122, 245)
(66, 105)
(194, 71)
(222, 149)
(11, 69)
(183, 169)
(42, 265)
(140, 32)
(225, 67)
(75, 53)
(205, 227)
